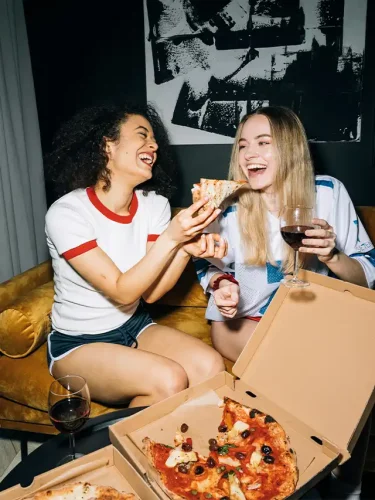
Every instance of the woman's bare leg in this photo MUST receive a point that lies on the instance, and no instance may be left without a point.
(199, 360)
(116, 374)
(230, 337)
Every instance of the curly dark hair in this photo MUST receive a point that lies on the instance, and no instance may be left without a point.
(78, 158)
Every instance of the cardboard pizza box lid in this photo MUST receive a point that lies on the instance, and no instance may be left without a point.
(312, 354)
(105, 467)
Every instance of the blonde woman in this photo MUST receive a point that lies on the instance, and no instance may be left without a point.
(271, 152)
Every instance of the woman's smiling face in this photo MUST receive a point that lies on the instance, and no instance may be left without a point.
(134, 154)
(257, 153)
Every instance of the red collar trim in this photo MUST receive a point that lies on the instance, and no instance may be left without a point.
(122, 219)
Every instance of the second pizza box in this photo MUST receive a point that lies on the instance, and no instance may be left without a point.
(105, 467)
(309, 364)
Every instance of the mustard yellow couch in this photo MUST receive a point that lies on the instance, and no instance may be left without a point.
(25, 304)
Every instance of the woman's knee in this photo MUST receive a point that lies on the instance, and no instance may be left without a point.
(170, 380)
(207, 363)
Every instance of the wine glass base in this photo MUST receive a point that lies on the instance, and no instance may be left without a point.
(294, 283)
(69, 458)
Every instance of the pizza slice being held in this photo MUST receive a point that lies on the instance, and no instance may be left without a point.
(81, 491)
(216, 190)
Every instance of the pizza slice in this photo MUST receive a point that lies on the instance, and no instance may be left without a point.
(185, 474)
(268, 467)
(216, 190)
(81, 491)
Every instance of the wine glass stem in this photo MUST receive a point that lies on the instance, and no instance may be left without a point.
(72, 444)
(295, 272)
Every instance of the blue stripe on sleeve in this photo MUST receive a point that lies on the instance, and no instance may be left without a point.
(370, 256)
(263, 309)
(324, 183)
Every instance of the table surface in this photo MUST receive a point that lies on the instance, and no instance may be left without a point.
(92, 437)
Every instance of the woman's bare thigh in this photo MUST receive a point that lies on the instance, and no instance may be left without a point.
(230, 337)
(115, 373)
(199, 360)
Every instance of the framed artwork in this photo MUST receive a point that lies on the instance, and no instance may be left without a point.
(209, 62)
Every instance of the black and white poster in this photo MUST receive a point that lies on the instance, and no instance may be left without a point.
(209, 62)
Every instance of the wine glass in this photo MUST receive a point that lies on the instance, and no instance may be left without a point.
(294, 221)
(69, 408)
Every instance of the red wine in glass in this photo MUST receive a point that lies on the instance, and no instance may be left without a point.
(70, 414)
(69, 408)
(294, 222)
(293, 235)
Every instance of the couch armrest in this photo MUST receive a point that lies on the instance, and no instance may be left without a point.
(25, 282)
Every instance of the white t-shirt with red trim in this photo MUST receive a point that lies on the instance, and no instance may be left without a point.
(77, 223)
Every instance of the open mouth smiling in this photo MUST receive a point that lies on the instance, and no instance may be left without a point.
(147, 158)
(256, 168)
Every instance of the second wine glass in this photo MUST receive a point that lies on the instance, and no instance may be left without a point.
(294, 221)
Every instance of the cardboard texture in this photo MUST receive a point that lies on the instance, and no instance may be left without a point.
(105, 467)
(309, 364)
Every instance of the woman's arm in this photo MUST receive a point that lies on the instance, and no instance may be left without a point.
(343, 266)
(207, 245)
(96, 267)
(342, 243)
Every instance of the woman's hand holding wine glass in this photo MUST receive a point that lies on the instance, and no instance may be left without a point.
(320, 241)
(69, 408)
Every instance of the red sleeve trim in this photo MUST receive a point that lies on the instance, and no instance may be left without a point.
(85, 247)
(152, 237)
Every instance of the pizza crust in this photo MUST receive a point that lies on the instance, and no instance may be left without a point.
(81, 491)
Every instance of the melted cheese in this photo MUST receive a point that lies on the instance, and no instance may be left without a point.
(237, 429)
(180, 457)
(255, 459)
(229, 461)
(235, 489)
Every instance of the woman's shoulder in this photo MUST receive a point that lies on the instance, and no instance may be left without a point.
(70, 202)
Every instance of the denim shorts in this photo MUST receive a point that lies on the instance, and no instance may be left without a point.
(60, 344)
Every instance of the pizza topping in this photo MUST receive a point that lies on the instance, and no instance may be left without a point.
(182, 468)
(212, 441)
(253, 413)
(184, 427)
(269, 419)
(269, 459)
(237, 429)
(187, 445)
(234, 488)
(207, 495)
(245, 434)
(222, 428)
(266, 449)
(229, 461)
(213, 447)
(255, 459)
(240, 455)
(224, 498)
(211, 462)
(198, 470)
(254, 486)
(194, 492)
(179, 457)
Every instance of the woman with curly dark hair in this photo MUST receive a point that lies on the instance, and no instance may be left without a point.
(113, 246)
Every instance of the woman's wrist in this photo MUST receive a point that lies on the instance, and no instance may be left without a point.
(220, 280)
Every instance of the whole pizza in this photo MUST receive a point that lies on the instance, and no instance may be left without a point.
(249, 459)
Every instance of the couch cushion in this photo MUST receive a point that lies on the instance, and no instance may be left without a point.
(25, 323)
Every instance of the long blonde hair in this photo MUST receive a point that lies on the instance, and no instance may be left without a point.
(294, 183)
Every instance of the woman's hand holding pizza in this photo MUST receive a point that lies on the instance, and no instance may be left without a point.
(320, 241)
(227, 297)
(207, 246)
(184, 226)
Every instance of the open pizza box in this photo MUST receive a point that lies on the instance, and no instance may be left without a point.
(309, 364)
(105, 467)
